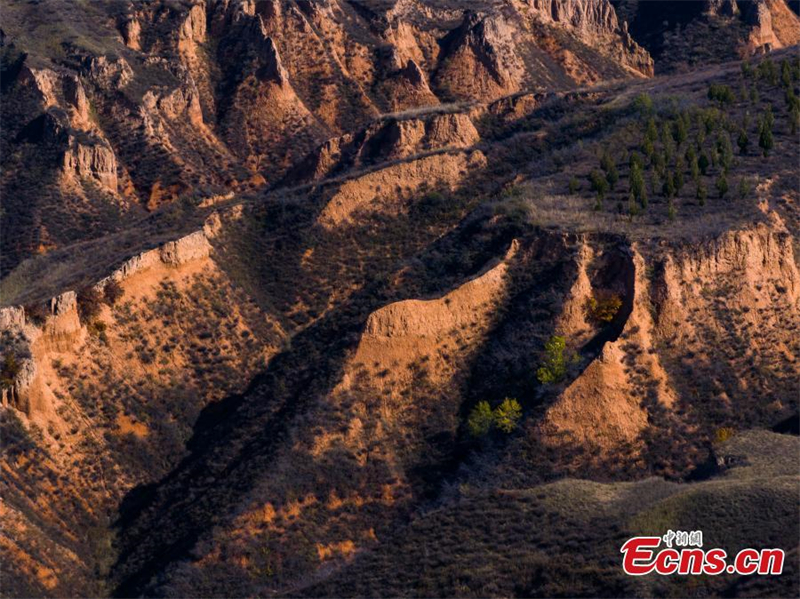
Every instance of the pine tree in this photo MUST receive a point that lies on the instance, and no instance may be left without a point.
(786, 74)
(743, 189)
(702, 193)
(480, 419)
(743, 141)
(725, 151)
(651, 132)
(507, 415)
(668, 189)
(671, 212)
(637, 187)
(598, 184)
(722, 185)
(554, 365)
(765, 139)
(703, 163)
(610, 168)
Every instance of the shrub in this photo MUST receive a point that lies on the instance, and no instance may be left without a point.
(603, 306)
(112, 292)
(723, 434)
(574, 185)
(507, 415)
(720, 93)
(598, 184)
(553, 368)
(480, 419)
(89, 301)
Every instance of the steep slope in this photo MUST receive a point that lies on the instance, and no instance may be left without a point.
(269, 391)
(145, 104)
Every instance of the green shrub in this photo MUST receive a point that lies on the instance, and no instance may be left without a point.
(507, 415)
(554, 367)
(720, 93)
(480, 419)
(603, 306)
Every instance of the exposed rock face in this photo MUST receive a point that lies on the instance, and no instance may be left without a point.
(724, 8)
(384, 141)
(584, 15)
(109, 73)
(480, 60)
(773, 25)
(607, 405)
(94, 161)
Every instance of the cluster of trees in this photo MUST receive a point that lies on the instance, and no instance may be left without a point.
(689, 145)
(504, 417)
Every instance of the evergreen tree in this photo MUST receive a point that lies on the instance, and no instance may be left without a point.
(743, 141)
(480, 419)
(633, 207)
(574, 185)
(754, 97)
(743, 189)
(598, 184)
(722, 185)
(786, 74)
(765, 139)
(671, 212)
(554, 364)
(667, 142)
(681, 131)
(637, 187)
(651, 132)
(507, 415)
(679, 168)
(610, 168)
(725, 151)
(668, 189)
(702, 193)
(703, 163)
